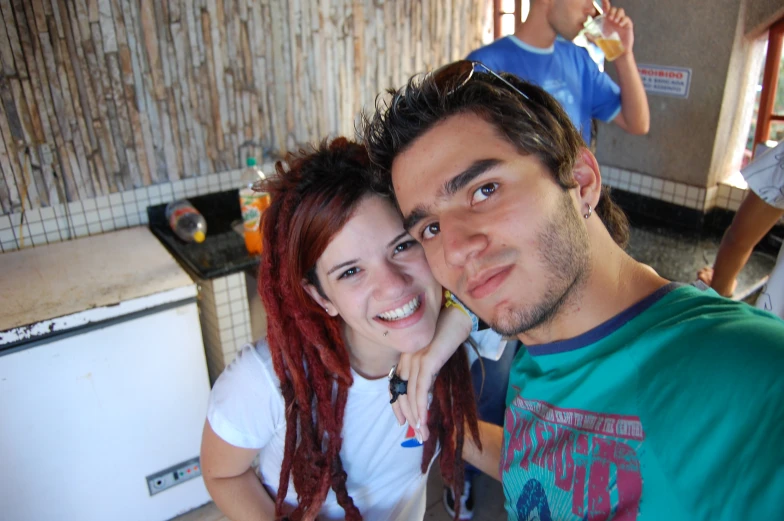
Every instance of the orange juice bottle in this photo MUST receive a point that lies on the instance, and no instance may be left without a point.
(253, 203)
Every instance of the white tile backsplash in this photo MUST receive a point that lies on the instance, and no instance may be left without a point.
(129, 208)
(51, 226)
(38, 240)
(105, 214)
(33, 216)
(220, 284)
(47, 213)
(78, 219)
(36, 228)
(121, 221)
(223, 310)
(7, 236)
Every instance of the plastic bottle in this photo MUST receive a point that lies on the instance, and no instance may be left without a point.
(185, 221)
(252, 204)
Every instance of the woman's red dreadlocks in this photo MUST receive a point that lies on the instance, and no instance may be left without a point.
(311, 201)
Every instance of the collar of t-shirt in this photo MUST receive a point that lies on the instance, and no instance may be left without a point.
(530, 48)
(604, 329)
(369, 386)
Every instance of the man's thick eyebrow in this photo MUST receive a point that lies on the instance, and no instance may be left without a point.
(450, 188)
(477, 168)
(416, 215)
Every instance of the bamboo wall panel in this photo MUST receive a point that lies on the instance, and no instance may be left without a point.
(101, 96)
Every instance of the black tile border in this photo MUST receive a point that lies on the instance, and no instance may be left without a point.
(644, 211)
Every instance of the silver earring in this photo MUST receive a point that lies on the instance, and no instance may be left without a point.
(588, 214)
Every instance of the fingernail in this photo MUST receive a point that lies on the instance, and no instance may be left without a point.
(419, 437)
(419, 424)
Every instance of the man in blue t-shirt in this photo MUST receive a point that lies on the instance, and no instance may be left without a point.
(541, 52)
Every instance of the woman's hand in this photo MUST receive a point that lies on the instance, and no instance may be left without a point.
(421, 368)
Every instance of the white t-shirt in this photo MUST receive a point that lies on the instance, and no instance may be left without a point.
(381, 458)
(766, 179)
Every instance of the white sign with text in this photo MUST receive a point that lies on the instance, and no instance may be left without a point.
(667, 81)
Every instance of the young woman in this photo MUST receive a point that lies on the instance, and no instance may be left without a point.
(346, 290)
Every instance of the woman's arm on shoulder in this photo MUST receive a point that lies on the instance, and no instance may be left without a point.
(231, 481)
(421, 368)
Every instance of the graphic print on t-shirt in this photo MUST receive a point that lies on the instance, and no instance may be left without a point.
(569, 464)
(410, 441)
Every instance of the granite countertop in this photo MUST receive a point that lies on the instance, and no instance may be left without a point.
(678, 256)
(223, 251)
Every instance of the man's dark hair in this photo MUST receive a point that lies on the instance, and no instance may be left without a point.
(537, 126)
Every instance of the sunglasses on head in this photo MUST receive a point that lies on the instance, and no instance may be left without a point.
(453, 76)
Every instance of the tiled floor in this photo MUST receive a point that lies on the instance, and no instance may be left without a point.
(488, 496)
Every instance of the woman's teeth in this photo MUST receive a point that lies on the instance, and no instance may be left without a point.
(401, 312)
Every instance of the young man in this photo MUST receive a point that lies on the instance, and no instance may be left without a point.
(632, 397)
(541, 51)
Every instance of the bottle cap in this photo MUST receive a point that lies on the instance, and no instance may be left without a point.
(251, 161)
(198, 236)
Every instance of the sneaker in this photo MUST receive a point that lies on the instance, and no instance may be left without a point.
(466, 501)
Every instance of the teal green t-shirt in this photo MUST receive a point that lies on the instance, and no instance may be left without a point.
(673, 409)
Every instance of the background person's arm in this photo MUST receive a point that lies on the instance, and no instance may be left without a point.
(753, 220)
(231, 481)
(635, 115)
(488, 458)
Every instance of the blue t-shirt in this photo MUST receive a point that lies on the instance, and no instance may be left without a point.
(564, 70)
(673, 409)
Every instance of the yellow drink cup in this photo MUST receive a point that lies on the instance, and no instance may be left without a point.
(602, 34)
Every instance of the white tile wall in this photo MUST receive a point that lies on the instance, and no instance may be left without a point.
(225, 320)
(724, 196)
(104, 213)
